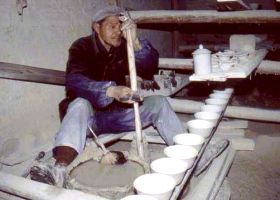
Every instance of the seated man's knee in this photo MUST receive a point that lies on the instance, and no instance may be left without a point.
(80, 104)
(155, 102)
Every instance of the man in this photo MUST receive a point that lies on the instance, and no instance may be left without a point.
(96, 91)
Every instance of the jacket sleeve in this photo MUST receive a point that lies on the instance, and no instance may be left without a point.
(78, 81)
(146, 60)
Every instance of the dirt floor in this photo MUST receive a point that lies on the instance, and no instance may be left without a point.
(256, 174)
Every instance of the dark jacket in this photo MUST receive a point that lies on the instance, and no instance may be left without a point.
(91, 69)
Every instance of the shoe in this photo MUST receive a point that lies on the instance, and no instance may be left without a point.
(46, 173)
(211, 152)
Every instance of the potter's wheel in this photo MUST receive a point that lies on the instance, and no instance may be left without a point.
(93, 174)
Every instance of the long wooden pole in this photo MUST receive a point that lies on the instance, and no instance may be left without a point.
(205, 16)
(133, 84)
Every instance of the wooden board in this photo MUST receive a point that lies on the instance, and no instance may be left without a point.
(31, 74)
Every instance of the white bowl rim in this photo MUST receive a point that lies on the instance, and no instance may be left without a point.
(218, 101)
(200, 140)
(175, 161)
(216, 107)
(207, 113)
(170, 181)
(192, 150)
(208, 123)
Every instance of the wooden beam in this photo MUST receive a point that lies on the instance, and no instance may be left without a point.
(269, 67)
(206, 16)
(31, 74)
(176, 63)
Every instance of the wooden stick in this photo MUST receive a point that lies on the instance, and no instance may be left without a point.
(133, 84)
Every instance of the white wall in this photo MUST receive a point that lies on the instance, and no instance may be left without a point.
(41, 38)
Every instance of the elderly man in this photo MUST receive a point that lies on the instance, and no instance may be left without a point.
(95, 87)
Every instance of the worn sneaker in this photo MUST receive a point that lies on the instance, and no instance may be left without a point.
(211, 152)
(46, 173)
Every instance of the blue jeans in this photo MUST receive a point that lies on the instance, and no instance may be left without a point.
(155, 111)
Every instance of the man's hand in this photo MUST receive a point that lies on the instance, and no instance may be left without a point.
(123, 94)
(130, 25)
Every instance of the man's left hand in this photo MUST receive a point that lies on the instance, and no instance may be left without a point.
(131, 26)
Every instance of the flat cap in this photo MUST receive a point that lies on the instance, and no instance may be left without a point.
(106, 12)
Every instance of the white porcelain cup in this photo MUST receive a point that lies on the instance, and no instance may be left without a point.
(182, 152)
(170, 166)
(209, 116)
(212, 108)
(220, 95)
(159, 186)
(200, 127)
(216, 101)
(189, 139)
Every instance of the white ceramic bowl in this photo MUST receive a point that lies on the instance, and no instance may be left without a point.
(209, 116)
(219, 102)
(219, 95)
(182, 152)
(139, 197)
(159, 186)
(170, 166)
(212, 108)
(200, 127)
(189, 139)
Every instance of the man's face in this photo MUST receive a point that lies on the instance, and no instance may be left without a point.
(109, 32)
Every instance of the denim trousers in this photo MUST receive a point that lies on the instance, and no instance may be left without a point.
(154, 111)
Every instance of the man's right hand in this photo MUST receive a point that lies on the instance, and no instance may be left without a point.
(120, 93)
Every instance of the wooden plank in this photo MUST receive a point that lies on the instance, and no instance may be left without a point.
(206, 16)
(32, 74)
(231, 5)
(29, 189)
(209, 182)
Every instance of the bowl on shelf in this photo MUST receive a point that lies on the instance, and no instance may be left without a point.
(189, 139)
(212, 108)
(200, 127)
(209, 116)
(170, 166)
(216, 101)
(186, 153)
(159, 186)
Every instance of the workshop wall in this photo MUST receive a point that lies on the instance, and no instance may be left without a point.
(41, 38)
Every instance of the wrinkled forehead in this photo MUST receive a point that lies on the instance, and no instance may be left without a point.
(114, 19)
